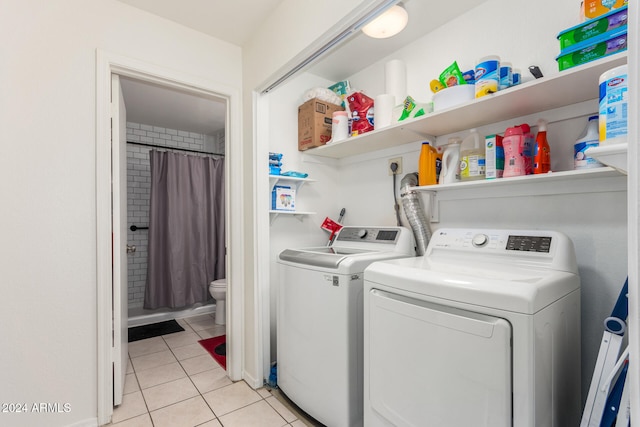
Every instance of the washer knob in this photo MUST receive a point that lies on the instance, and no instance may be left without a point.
(362, 233)
(480, 240)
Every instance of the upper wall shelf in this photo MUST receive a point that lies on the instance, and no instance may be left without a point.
(568, 87)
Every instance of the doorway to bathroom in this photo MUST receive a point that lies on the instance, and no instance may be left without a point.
(111, 240)
(191, 129)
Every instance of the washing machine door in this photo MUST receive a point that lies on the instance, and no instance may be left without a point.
(432, 365)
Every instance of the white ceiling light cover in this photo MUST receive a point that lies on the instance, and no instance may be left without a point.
(388, 24)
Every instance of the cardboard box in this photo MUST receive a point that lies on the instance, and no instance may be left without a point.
(314, 123)
(606, 44)
(595, 8)
(494, 156)
(283, 198)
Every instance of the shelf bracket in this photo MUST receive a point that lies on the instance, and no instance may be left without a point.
(422, 135)
(272, 218)
(434, 206)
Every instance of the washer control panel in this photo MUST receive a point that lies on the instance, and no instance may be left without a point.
(368, 234)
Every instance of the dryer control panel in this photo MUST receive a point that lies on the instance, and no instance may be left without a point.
(542, 247)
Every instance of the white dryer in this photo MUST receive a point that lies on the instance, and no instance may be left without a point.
(484, 330)
(319, 320)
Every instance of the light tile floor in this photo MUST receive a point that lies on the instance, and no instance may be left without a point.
(173, 381)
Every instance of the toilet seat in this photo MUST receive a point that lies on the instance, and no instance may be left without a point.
(219, 284)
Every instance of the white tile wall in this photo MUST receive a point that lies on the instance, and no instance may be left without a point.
(139, 188)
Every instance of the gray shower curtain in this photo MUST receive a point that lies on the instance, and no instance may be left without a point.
(186, 229)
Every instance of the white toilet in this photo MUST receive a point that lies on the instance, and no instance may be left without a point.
(218, 290)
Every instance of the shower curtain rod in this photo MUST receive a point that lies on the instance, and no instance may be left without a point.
(174, 148)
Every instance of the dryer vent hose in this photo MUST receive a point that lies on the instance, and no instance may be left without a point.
(415, 213)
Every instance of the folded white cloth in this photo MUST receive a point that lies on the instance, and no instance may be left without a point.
(323, 94)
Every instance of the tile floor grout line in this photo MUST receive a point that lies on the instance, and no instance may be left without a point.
(200, 334)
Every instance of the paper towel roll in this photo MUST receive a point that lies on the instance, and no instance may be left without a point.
(395, 79)
(383, 107)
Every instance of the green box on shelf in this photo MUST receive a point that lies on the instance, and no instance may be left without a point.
(594, 27)
(606, 44)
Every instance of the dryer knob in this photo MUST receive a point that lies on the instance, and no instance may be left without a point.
(480, 240)
(362, 233)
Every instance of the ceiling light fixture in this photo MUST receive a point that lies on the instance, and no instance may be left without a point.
(390, 23)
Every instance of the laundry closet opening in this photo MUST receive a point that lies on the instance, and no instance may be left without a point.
(190, 129)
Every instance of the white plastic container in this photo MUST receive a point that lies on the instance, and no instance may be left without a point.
(581, 160)
(506, 76)
(339, 126)
(613, 106)
(487, 73)
(452, 96)
(472, 157)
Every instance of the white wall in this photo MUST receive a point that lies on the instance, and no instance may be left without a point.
(286, 35)
(48, 179)
(288, 231)
(596, 222)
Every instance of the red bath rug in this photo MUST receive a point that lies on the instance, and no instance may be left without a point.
(216, 347)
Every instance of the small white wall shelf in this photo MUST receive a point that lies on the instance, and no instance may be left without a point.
(296, 214)
(568, 87)
(298, 183)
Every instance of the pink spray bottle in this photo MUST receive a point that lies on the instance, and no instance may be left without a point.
(514, 161)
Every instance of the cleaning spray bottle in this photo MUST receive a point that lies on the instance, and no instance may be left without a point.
(541, 150)
(472, 157)
(427, 165)
(513, 142)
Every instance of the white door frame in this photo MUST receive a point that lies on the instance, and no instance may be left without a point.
(106, 65)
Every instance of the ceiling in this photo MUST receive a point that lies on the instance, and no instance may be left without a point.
(361, 51)
(234, 21)
(154, 105)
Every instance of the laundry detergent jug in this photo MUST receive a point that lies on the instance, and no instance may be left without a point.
(472, 157)
(427, 165)
(451, 162)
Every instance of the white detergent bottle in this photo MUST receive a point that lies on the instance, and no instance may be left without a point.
(589, 138)
(451, 162)
(472, 157)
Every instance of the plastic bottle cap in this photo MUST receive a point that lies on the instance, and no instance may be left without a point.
(542, 125)
(515, 130)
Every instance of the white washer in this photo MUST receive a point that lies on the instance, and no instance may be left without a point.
(319, 320)
(484, 330)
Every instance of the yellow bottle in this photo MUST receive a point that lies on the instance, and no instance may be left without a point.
(427, 165)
